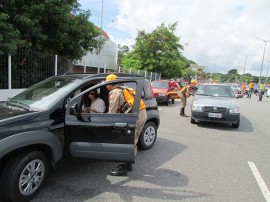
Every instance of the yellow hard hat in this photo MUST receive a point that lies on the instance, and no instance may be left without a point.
(193, 81)
(111, 77)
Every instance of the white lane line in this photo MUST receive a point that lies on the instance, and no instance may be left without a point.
(260, 181)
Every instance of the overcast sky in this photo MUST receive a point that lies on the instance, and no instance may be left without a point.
(221, 35)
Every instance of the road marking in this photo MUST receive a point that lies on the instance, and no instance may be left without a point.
(260, 181)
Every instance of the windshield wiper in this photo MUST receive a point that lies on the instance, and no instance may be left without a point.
(19, 104)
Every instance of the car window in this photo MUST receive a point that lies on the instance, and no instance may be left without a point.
(46, 93)
(103, 93)
(147, 93)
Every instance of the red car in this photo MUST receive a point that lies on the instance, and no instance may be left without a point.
(165, 91)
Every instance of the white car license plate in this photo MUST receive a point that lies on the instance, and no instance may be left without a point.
(215, 115)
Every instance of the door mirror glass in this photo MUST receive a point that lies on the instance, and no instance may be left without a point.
(73, 110)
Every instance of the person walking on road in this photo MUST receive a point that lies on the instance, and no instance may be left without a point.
(183, 94)
(116, 99)
(250, 90)
(243, 88)
(261, 93)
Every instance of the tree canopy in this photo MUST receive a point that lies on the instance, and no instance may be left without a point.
(158, 51)
(232, 77)
(47, 25)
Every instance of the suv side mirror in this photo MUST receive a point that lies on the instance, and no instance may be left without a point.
(73, 110)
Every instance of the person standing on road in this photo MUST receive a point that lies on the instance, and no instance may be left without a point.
(250, 90)
(261, 93)
(183, 94)
(116, 99)
(243, 88)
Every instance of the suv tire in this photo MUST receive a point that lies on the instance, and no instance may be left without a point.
(18, 169)
(236, 125)
(192, 120)
(148, 136)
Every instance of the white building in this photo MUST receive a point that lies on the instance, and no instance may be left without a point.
(99, 63)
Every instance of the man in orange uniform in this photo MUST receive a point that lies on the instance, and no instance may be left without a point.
(116, 98)
(243, 88)
(184, 93)
(250, 90)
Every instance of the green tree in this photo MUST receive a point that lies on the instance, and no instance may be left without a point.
(47, 25)
(188, 73)
(158, 51)
(122, 51)
(233, 71)
(131, 61)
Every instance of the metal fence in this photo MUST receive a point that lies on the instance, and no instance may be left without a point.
(151, 76)
(3, 72)
(28, 67)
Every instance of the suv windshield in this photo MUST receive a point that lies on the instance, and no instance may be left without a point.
(44, 94)
(156, 84)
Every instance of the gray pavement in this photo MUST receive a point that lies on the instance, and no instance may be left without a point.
(189, 162)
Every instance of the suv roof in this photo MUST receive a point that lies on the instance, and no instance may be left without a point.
(101, 75)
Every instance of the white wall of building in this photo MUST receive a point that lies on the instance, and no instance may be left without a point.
(107, 59)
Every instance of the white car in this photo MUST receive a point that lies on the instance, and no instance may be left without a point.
(268, 92)
(215, 103)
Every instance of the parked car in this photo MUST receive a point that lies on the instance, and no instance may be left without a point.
(165, 91)
(215, 103)
(268, 92)
(45, 124)
(236, 88)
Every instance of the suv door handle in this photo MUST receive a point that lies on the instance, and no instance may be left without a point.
(120, 125)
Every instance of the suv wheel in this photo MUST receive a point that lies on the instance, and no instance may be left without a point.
(148, 135)
(24, 175)
(236, 125)
(192, 120)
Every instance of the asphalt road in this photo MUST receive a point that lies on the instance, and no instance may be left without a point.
(196, 163)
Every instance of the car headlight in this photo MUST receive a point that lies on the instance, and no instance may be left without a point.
(197, 108)
(234, 111)
(162, 94)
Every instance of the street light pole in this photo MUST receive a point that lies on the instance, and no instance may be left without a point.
(265, 42)
(100, 36)
(244, 68)
(267, 72)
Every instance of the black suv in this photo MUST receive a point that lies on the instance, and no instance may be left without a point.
(45, 124)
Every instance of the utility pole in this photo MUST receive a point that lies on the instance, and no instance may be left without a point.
(265, 42)
(267, 72)
(244, 68)
(100, 35)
